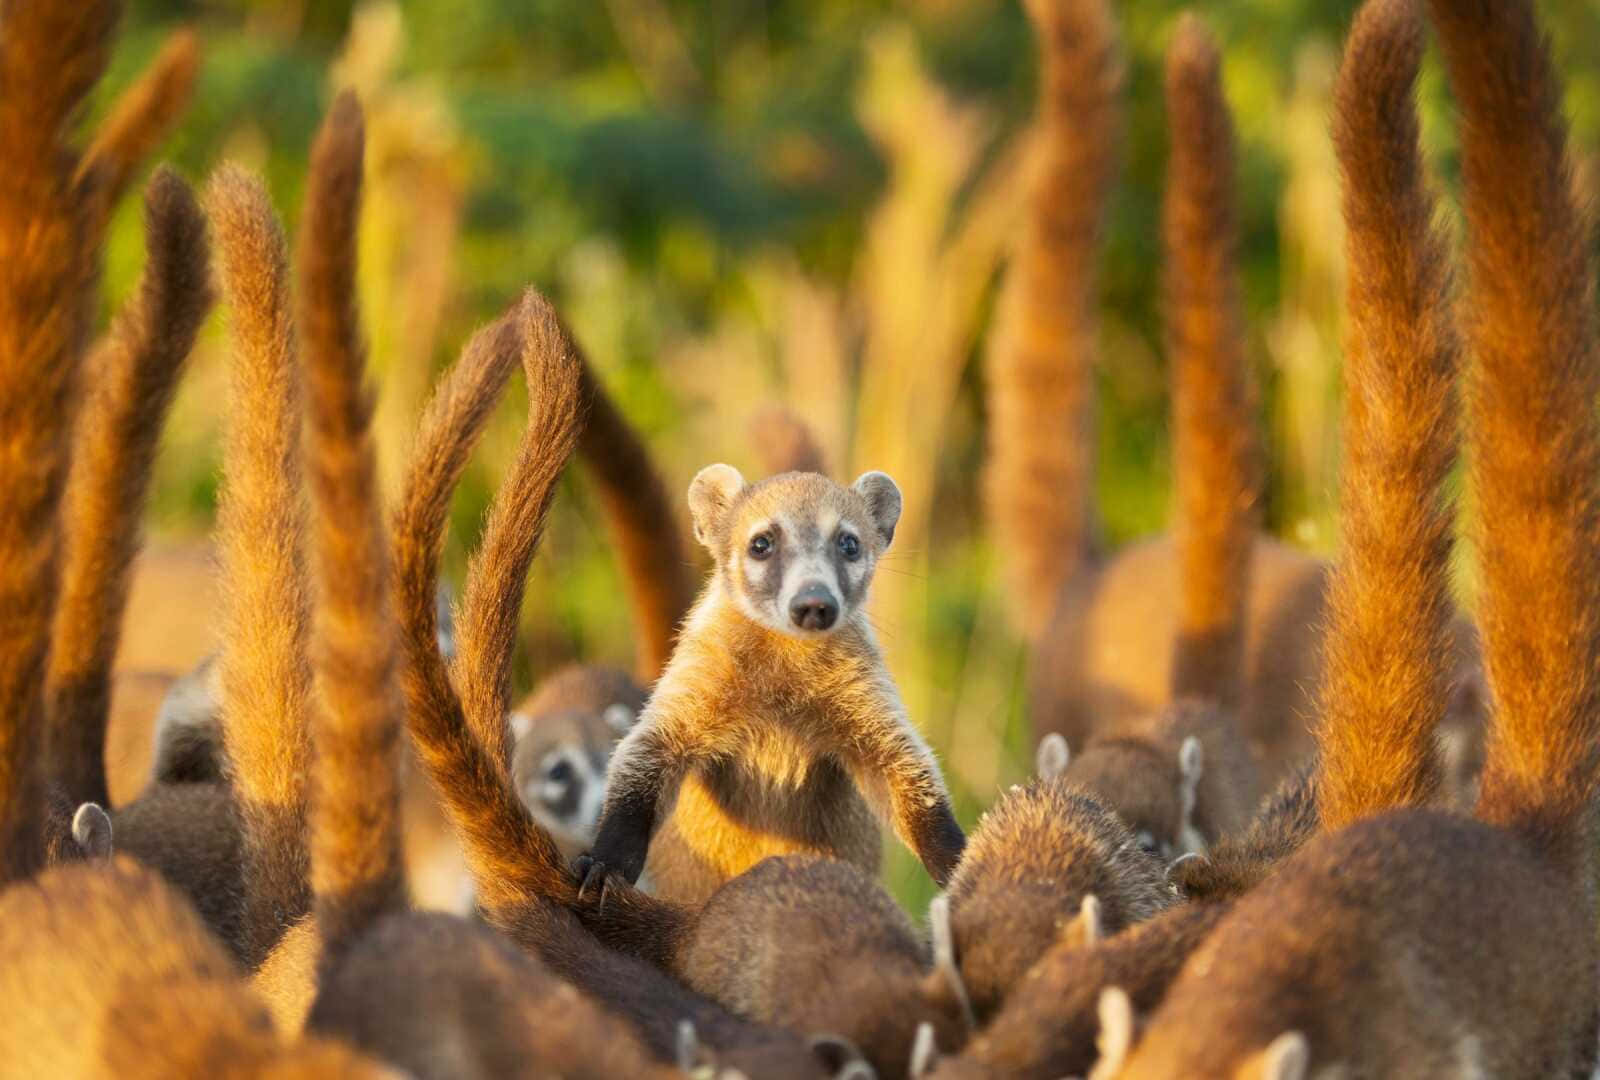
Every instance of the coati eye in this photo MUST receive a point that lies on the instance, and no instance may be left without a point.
(560, 772)
(760, 546)
(849, 547)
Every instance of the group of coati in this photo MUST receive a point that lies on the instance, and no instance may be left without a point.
(1290, 819)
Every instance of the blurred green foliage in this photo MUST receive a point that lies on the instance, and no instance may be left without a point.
(654, 165)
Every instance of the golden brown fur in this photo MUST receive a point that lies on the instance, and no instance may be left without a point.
(51, 56)
(656, 568)
(129, 384)
(1213, 449)
(262, 543)
(356, 869)
(1444, 945)
(1032, 859)
(140, 118)
(761, 739)
(1040, 475)
(1384, 689)
(107, 973)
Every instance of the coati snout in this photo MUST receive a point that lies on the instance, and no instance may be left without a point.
(814, 607)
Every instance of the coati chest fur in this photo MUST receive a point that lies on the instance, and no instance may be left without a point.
(776, 719)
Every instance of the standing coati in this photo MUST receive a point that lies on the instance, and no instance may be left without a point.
(1115, 640)
(776, 709)
(1407, 940)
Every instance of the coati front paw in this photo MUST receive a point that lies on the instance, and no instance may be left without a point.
(594, 870)
(942, 843)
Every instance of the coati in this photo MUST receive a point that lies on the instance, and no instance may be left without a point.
(776, 709)
(1440, 944)
(54, 202)
(523, 885)
(1115, 640)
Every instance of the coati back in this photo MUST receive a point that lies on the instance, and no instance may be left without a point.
(1441, 944)
(107, 972)
(1022, 880)
(776, 710)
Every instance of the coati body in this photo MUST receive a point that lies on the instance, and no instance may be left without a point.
(564, 735)
(776, 710)
(108, 973)
(1404, 940)
(1026, 870)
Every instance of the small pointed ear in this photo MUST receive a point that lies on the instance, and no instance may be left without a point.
(924, 1051)
(1191, 763)
(1052, 757)
(91, 828)
(1116, 1033)
(688, 1046)
(883, 502)
(1288, 1057)
(618, 717)
(521, 723)
(711, 492)
(1084, 929)
(944, 957)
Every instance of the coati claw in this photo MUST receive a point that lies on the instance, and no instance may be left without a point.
(591, 872)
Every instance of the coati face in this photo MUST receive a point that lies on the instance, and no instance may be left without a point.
(796, 552)
(564, 735)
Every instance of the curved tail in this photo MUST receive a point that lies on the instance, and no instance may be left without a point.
(261, 534)
(785, 443)
(51, 56)
(357, 873)
(129, 385)
(514, 861)
(1040, 384)
(660, 578)
(1214, 448)
(1535, 456)
(1385, 677)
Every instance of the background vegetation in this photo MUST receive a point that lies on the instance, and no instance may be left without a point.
(740, 201)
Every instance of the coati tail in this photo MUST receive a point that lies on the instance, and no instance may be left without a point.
(1535, 451)
(1041, 357)
(1384, 680)
(660, 578)
(261, 530)
(1213, 439)
(51, 56)
(128, 387)
(357, 873)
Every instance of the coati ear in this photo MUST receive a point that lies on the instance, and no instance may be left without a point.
(1116, 1033)
(944, 957)
(687, 1050)
(883, 502)
(1288, 1057)
(711, 492)
(841, 1057)
(1052, 757)
(91, 828)
(1084, 929)
(521, 723)
(924, 1051)
(619, 718)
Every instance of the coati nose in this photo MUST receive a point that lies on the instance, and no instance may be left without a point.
(813, 608)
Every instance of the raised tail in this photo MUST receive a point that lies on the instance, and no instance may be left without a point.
(1385, 680)
(1214, 448)
(129, 384)
(51, 56)
(261, 539)
(139, 120)
(513, 860)
(655, 565)
(1042, 351)
(357, 873)
(1535, 451)
(785, 443)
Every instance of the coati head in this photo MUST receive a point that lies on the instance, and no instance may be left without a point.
(1150, 785)
(795, 552)
(564, 734)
